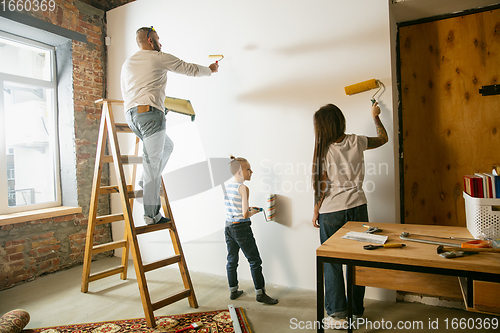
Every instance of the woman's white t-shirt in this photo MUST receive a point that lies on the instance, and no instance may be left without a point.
(345, 169)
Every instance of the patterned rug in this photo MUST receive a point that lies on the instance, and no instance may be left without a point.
(218, 321)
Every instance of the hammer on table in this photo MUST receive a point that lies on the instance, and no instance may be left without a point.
(371, 230)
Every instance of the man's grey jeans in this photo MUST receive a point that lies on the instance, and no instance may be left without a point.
(150, 127)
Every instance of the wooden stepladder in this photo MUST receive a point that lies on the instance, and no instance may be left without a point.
(109, 129)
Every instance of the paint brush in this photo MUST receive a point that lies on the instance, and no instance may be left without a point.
(192, 326)
(219, 57)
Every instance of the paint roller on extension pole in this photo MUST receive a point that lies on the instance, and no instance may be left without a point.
(364, 86)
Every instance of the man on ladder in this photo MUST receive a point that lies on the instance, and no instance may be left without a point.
(143, 83)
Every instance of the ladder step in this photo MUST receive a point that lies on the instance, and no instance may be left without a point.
(135, 194)
(112, 189)
(110, 101)
(123, 128)
(162, 263)
(109, 246)
(109, 218)
(171, 299)
(106, 273)
(152, 227)
(126, 159)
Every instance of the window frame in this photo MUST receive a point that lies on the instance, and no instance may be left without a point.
(54, 137)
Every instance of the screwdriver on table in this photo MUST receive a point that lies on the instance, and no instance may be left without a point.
(373, 247)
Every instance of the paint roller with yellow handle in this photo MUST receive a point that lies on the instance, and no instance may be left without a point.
(219, 57)
(364, 86)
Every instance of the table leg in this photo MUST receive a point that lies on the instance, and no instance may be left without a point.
(320, 294)
(470, 293)
(350, 294)
(467, 286)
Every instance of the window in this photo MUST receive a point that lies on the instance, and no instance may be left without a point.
(29, 176)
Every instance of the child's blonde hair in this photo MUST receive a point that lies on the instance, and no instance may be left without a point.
(235, 164)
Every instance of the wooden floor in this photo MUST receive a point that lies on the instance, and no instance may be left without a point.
(56, 300)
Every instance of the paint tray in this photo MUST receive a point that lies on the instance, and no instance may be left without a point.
(179, 105)
(364, 237)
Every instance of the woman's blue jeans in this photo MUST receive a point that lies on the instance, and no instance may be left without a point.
(240, 236)
(335, 296)
(150, 127)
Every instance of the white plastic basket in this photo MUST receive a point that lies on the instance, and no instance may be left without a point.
(482, 216)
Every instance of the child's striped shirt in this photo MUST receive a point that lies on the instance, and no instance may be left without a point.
(233, 204)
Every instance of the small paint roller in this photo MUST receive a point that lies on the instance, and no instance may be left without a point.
(364, 86)
(219, 57)
(271, 207)
(271, 204)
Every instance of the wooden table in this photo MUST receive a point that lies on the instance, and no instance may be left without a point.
(415, 257)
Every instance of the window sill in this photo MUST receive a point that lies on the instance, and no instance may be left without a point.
(38, 214)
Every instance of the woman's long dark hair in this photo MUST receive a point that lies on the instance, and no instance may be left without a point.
(329, 126)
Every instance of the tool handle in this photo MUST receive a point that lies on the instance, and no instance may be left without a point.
(394, 245)
(476, 249)
(184, 329)
(477, 243)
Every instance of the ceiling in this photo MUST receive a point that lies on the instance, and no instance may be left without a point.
(106, 4)
(410, 10)
(402, 10)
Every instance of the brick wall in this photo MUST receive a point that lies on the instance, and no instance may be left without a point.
(35, 248)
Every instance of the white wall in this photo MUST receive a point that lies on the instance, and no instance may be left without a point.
(283, 60)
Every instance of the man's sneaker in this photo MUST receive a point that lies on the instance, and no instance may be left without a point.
(263, 298)
(150, 221)
(163, 220)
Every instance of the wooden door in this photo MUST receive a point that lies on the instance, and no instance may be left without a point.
(448, 129)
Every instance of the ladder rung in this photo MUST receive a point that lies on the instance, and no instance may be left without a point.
(106, 273)
(126, 159)
(162, 263)
(112, 189)
(109, 246)
(135, 194)
(153, 227)
(123, 128)
(171, 299)
(111, 101)
(109, 218)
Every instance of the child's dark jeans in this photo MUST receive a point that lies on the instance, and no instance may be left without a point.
(240, 236)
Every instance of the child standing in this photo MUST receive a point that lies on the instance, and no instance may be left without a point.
(338, 176)
(239, 233)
